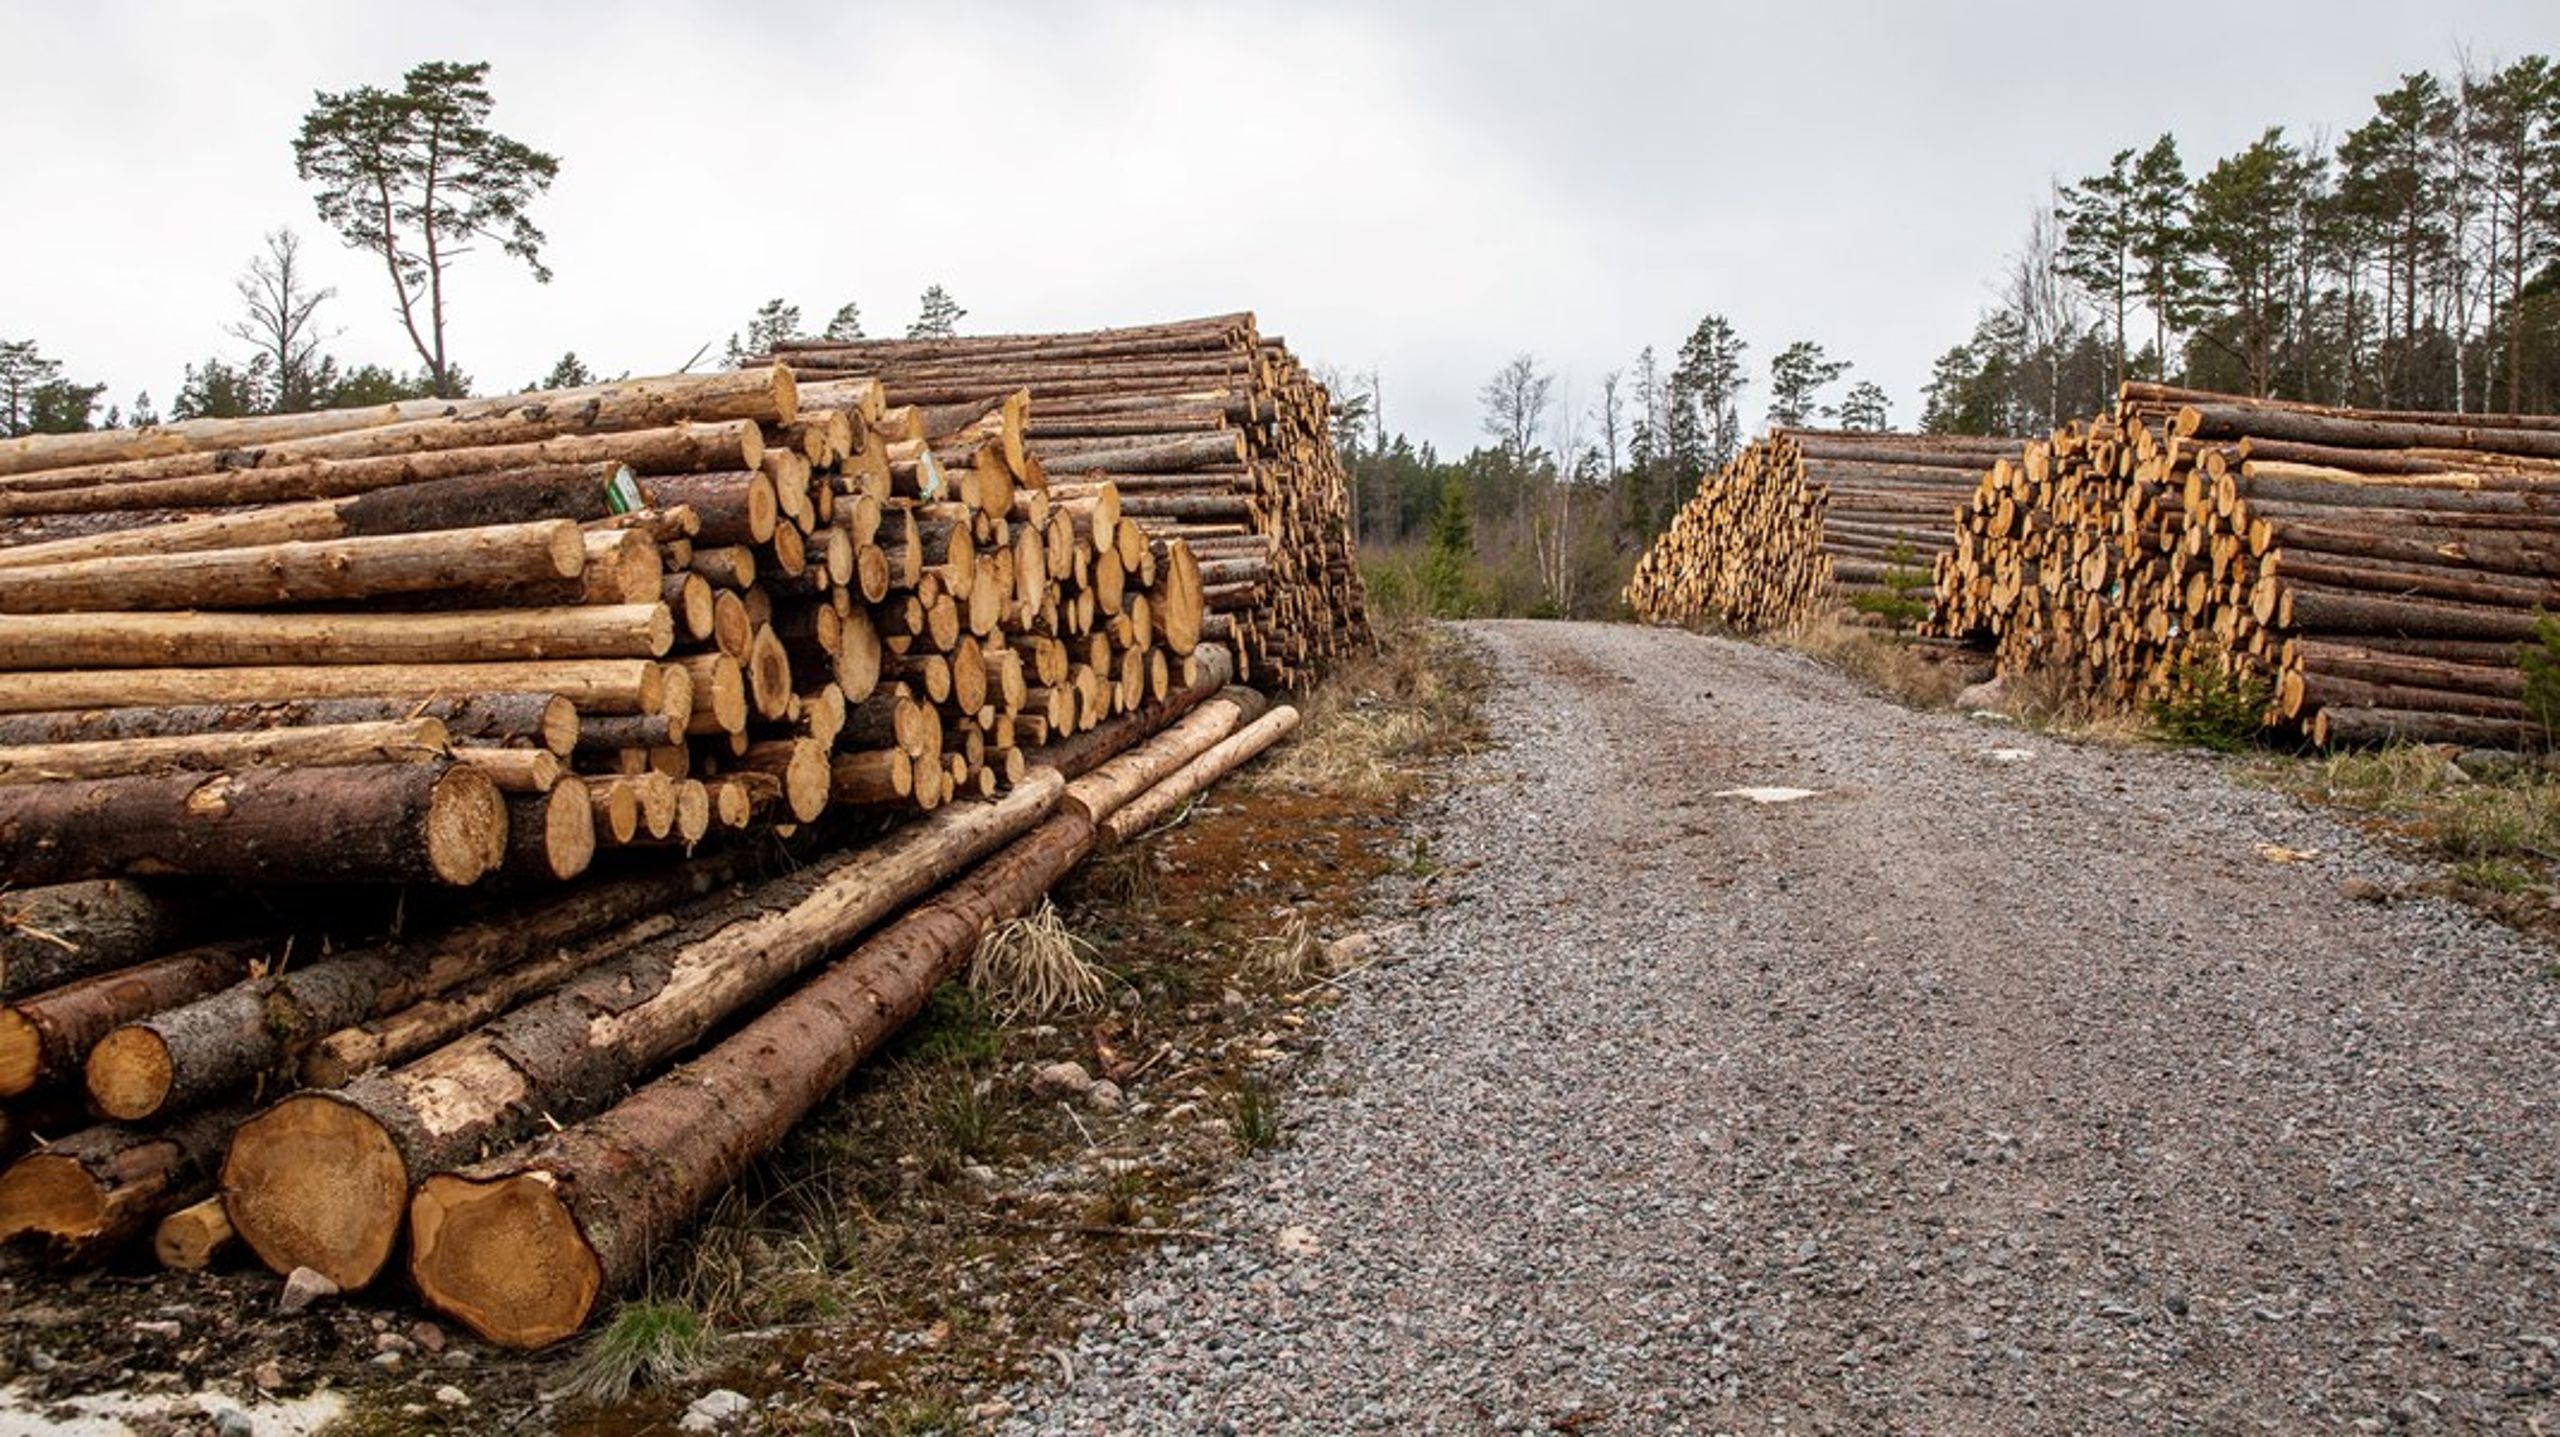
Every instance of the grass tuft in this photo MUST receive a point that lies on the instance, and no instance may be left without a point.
(1257, 1116)
(1882, 659)
(1289, 957)
(1033, 967)
(647, 1342)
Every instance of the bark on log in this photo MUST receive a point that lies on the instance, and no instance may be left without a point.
(544, 719)
(1142, 813)
(434, 821)
(45, 1036)
(521, 1249)
(93, 1192)
(471, 560)
(185, 640)
(328, 746)
(617, 686)
(52, 935)
(320, 1180)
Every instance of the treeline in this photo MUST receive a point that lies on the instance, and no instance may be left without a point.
(2412, 264)
(1547, 517)
(413, 177)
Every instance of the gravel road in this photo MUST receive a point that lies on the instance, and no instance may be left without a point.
(2004, 1085)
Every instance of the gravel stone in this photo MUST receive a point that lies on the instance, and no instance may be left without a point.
(1961, 1097)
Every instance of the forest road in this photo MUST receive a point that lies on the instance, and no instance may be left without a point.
(2001, 1084)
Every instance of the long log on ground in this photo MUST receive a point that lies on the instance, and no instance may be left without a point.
(96, 1190)
(327, 746)
(434, 821)
(498, 557)
(186, 1056)
(1097, 794)
(2365, 727)
(521, 1249)
(1158, 803)
(320, 1180)
(55, 934)
(45, 1036)
(542, 719)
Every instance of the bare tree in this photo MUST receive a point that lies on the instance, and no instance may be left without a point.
(281, 322)
(2048, 311)
(1515, 402)
(1552, 533)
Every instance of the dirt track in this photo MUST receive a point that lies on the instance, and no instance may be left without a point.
(1981, 1091)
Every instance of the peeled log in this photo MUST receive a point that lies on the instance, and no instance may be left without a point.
(615, 686)
(522, 1248)
(148, 640)
(1230, 753)
(326, 746)
(90, 1193)
(501, 557)
(51, 935)
(544, 719)
(436, 821)
(320, 1180)
(1112, 784)
(44, 1036)
(193, 1054)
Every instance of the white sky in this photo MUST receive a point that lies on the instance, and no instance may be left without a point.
(1423, 188)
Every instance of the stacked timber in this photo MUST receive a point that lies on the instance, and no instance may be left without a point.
(251, 671)
(1806, 521)
(1210, 432)
(2375, 571)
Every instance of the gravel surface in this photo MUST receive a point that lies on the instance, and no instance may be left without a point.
(2004, 1085)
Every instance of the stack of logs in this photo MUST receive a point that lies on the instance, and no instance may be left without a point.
(1212, 433)
(1805, 521)
(480, 645)
(2375, 571)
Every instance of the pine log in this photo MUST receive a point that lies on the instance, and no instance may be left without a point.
(1142, 813)
(521, 1249)
(1098, 794)
(45, 1036)
(189, 1239)
(617, 686)
(531, 718)
(148, 640)
(499, 557)
(185, 1056)
(320, 1180)
(433, 821)
(96, 1190)
(52, 935)
(327, 746)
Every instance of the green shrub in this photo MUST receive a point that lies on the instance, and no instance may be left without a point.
(2212, 705)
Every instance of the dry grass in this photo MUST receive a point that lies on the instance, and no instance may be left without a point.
(1034, 968)
(1289, 957)
(2053, 701)
(1879, 657)
(1365, 731)
(2499, 820)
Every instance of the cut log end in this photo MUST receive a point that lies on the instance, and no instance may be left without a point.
(466, 827)
(21, 1053)
(50, 1196)
(130, 1073)
(188, 1239)
(505, 1257)
(314, 1182)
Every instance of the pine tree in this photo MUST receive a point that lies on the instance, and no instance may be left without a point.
(1867, 407)
(2163, 247)
(776, 322)
(1710, 378)
(937, 315)
(1448, 580)
(1796, 378)
(569, 372)
(847, 325)
(2099, 223)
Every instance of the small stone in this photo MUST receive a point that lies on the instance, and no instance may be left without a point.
(268, 1375)
(1349, 949)
(388, 1361)
(2363, 890)
(452, 1396)
(428, 1336)
(393, 1342)
(1062, 1080)
(980, 1174)
(232, 1422)
(715, 1409)
(1983, 698)
(2488, 762)
(302, 1288)
(1104, 1097)
(164, 1331)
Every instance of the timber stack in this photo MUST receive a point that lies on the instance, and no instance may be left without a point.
(1807, 521)
(2374, 572)
(1211, 433)
(355, 762)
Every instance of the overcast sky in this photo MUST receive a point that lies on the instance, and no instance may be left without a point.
(1422, 188)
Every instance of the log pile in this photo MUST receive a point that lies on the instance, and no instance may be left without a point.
(2373, 572)
(1211, 432)
(1806, 521)
(550, 660)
